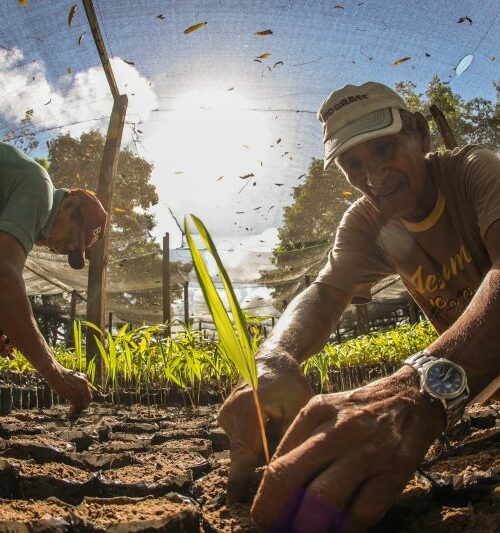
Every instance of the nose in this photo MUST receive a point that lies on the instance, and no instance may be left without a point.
(375, 175)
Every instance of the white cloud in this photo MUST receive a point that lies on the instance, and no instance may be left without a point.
(74, 98)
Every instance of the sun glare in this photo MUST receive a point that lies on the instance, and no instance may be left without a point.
(211, 135)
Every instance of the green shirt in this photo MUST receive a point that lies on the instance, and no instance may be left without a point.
(28, 199)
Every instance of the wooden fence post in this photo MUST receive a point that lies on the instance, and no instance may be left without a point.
(186, 303)
(166, 282)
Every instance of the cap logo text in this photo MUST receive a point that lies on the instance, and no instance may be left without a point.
(339, 105)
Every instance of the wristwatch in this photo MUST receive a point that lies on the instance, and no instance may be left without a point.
(443, 380)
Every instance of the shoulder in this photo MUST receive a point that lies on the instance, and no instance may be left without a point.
(463, 159)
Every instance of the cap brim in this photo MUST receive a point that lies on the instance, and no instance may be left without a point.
(76, 259)
(379, 123)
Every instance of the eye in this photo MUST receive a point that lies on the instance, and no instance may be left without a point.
(351, 164)
(383, 148)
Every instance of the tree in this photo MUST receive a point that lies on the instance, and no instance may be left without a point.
(310, 222)
(308, 230)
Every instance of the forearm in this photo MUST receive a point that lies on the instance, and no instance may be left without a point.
(16, 318)
(305, 325)
(473, 341)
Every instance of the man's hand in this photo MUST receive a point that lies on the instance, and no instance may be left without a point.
(72, 386)
(6, 347)
(283, 390)
(346, 457)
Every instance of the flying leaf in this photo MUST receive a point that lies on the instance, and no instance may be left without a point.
(279, 184)
(402, 60)
(278, 63)
(463, 19)
(257, 208)
(68, 70)
(263, 56)
(47, 103)
(265, 32)
(269, 68)
(427, 55)
(231, 89)
(278, 141)
(195, 27)
(71, 14)
(338, 6)
(129, 62)
(179, 172)
(246, 146)
(239, 212)
(24, 3)
(218, 179)
(160, 16)
(258, 60)
(246, 176)
(346, 194)
(119, 210)
(301, 176)
(80, 39)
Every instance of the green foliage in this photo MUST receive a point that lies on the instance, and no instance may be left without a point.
(234, 340)
(476, 121)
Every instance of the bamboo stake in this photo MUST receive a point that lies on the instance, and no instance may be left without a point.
(261, 425)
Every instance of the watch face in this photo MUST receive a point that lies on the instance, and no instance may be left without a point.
(444, 379)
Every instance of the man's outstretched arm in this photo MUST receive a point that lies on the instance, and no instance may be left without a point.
(347, 457)
(17, 320)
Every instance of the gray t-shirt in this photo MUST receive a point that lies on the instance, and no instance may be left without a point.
(442, 259)
(28, 200)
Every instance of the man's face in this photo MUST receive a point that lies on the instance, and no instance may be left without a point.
(68, 230)
(391, 172)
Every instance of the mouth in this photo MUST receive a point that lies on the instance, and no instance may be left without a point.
(388, 192)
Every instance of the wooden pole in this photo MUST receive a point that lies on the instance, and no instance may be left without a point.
(166, 281)
(443, 127)
(72, 318)
(101, 49)
(110, 322)
(362, 325)
(109, 164)
(186, 303)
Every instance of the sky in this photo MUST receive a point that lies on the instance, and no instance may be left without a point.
(228, 117)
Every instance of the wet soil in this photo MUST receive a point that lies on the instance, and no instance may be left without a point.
(139, 469)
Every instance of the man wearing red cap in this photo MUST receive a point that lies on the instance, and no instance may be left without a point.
(432, 218)
(66, 221)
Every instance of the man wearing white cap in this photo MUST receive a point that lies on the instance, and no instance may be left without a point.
(432, 218)
(68, 222)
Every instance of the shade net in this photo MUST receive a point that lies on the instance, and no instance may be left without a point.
(221, 122)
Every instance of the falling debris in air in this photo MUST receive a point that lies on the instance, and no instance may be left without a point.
(463, 19)
(80, 39)
(278, 141)
(68, 70)
(301, 176)
(71, 14)
(47, 103)
(278, 63)
(129, 62)
(265, 32)
(346, 194)
(279, 184)
(24, 3)
(246, 176)
(400, 61)
(218, 179)
(195, 27)
(160, 16)
(231, 89)
(263, 56)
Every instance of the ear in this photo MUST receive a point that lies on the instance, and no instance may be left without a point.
(423, 132)
(71, 202)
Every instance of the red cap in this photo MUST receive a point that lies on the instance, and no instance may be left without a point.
(94, 220)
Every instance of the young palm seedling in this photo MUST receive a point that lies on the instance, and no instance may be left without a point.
(234, 340)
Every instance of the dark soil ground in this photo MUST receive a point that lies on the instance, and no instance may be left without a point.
(133, 469)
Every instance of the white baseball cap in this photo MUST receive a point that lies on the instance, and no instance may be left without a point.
(357, 113)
